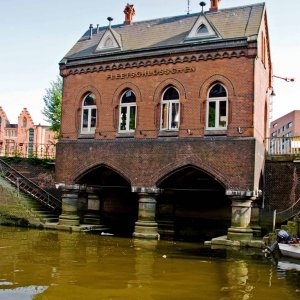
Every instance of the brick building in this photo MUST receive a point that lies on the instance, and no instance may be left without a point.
(25, 138)
(163, 124)
(285, 134)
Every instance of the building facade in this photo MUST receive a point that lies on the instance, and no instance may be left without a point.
(25, 139)
(163, 124)
(285, 134)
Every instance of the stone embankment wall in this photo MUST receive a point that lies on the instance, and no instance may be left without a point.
(282, 183)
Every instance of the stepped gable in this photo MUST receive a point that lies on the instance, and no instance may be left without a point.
(25, 115)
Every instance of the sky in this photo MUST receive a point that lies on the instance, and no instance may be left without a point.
(36, 34)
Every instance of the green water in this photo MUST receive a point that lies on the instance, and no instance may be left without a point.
(38, 264)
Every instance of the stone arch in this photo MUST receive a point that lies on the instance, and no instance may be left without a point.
(121, 88)
(90, 168)
(195, 162)
(217, 78)
(168, 82)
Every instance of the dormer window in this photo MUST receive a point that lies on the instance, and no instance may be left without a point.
(202, 29)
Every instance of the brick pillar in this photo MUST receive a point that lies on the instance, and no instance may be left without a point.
(92, 216)
(146, 226)
(69, 216)
(240, 220)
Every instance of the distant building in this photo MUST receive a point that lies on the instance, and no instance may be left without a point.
(287, 125)
(285, 133)
(25, 139)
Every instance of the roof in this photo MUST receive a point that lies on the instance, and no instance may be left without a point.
(231, 23)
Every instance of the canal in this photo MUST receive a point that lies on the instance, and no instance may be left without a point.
(40, 264)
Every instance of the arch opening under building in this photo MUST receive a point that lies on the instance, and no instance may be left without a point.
(108, 200)
(192, 206)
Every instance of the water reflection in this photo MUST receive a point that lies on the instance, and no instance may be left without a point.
(60, 265)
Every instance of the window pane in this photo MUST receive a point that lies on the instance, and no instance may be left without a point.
(89, 100)
(171, 94)
(212, 114)
(202, 29)
(93, 117)
(164, 116)
(222, 114)
(217, 91)
(175, 116)
(123, 118)
(132, 118)
(85, 117)
(128, 97)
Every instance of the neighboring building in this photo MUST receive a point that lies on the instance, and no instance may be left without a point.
(285, 134)
(164, 122)
(25, 139)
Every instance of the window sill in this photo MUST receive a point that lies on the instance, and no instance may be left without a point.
(125, 134)
(86, 136)
(215, 132)
(163, 133)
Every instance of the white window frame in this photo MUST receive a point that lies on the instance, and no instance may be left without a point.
(217, 101)
(169, 104)
(128, 107)
(89, 109)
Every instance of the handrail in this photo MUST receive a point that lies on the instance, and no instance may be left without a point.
(53, 202)
(283, 145)
(290, 212)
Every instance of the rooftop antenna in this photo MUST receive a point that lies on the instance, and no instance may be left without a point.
(188, 8)
(202, 4)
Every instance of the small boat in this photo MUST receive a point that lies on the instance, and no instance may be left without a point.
(288, 265)
(290, 250)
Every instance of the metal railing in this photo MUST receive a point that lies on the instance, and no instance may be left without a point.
(283, 145)
(27, 150)
(289, 213)
(30, 188)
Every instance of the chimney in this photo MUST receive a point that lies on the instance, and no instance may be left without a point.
(214, 5)
(129, 13)
(91, 31)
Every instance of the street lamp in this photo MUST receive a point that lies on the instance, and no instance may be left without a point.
(287, 79)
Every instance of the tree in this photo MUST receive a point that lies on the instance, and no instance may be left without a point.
(52, 105)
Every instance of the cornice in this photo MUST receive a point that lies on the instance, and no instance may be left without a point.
(136, 63)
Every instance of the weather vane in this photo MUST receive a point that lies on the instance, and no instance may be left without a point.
(202, 4)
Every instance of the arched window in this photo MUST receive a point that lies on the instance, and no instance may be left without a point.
(202, 29)
(170, 109)
(24, 125)
(89, 114)
(127, 111)
(217, 108)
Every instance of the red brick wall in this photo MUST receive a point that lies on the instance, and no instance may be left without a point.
(282, 184)
(236, 74)
(143, 162)
(236, 163)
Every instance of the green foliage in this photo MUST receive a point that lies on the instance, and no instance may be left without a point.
(52, 104)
